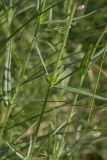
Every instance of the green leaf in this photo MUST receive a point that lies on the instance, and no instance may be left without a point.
(86, 61)
(81, 92)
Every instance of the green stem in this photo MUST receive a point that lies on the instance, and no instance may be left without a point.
(20, 75)
(9, 48)
(69, 119)
(40, 118)
(91, 108)
(69, 25)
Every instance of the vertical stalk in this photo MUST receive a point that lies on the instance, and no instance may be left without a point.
(91, 108)
(69, 119)
(71, 7)
(40, 119)
(8, 76)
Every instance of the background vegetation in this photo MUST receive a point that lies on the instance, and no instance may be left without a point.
(53, 96)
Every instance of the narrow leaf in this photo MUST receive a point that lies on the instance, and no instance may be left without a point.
(81, 92)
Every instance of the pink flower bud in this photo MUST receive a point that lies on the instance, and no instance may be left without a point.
(81, 7)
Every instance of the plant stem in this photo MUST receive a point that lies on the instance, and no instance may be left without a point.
(40, 118)
(69, 25)
(91, 108)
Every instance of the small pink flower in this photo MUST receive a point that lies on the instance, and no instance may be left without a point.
(81, 7)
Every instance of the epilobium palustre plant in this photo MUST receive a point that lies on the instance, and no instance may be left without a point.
(53, 97)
